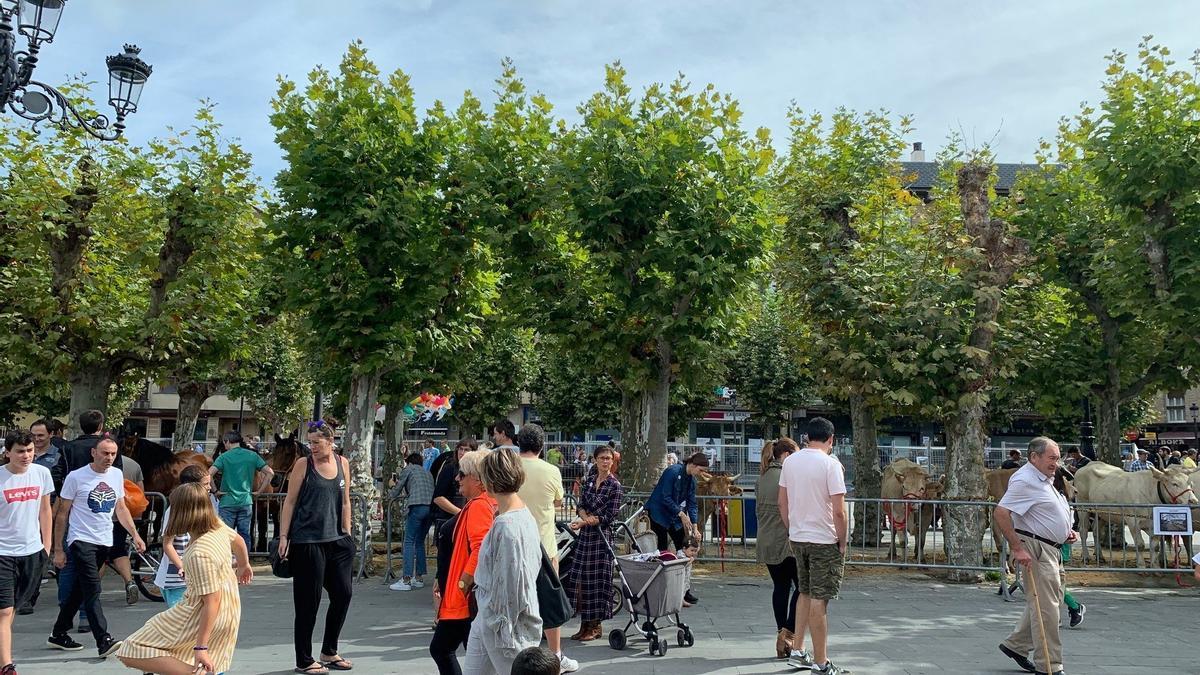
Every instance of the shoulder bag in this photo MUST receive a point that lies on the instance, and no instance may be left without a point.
(555, 606)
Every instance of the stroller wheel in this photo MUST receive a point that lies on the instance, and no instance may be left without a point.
(653, 646)
(662, 647)
(616, 639)
(685, 637)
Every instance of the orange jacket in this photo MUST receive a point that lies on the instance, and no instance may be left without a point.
(474, 522)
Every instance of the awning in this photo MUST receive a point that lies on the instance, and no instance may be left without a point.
(1176, 435)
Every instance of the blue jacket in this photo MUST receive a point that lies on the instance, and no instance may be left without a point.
(675, 492)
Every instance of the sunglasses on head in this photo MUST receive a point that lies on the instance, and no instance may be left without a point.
(319, 424)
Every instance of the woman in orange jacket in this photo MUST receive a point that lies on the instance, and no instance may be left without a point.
(454, 606)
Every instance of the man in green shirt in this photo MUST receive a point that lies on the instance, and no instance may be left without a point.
(238, 467)
(554, 456)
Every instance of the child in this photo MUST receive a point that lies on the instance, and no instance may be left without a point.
(170, 571)
(25, 528)
(536, 661)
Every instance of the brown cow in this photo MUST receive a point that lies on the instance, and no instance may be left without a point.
(904, 479)
(716, 484)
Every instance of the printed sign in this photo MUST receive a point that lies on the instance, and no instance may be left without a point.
(1172, 520)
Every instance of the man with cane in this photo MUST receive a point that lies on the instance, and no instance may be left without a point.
(1035, 519)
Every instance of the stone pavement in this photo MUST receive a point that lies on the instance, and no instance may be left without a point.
(903, 623)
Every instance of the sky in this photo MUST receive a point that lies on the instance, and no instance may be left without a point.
(1001, 74)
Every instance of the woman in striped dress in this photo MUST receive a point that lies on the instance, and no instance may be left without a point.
(173, 642)
(592, 564)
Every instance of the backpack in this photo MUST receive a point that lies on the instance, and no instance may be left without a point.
(135, 499)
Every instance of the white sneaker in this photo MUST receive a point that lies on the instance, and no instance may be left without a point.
(417, 583)
(567, 665)
(401, 585)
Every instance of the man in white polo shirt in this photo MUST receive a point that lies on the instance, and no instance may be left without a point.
(1035, 519)
(90, 495)
(812, 504)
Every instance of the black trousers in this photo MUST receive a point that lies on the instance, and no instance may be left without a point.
(87, 558)
(678, 536)
(785, 593)
(448, 636)
(330, 566)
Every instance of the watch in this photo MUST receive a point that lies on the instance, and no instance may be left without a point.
(462, 584)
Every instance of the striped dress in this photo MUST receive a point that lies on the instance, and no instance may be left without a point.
(591, 572)
(173, 632)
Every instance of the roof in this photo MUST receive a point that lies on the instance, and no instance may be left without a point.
(924, 175)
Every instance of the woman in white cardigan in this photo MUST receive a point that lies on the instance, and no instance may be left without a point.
(506, 578)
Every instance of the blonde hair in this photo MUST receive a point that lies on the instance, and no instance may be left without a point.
(469, 464)
(501, 471)
(192, 512)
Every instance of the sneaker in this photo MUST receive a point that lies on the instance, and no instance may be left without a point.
(1077, 615)
(417, 583)
(830, 669)
(566, 664)
(108, 647)
(802, 659)
(689, 598)
(131, 593)
(63, 642)
(401, 585)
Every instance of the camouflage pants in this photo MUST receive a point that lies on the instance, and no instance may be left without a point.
(820, 568)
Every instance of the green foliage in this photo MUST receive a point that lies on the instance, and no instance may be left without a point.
(274, 377)
(571, 392)
(497, 371)
(765, 364)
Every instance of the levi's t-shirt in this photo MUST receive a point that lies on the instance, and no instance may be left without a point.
(94, 498)
(20, 505)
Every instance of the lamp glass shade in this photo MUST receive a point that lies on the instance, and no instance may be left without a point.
(127, 74)
(38, 19)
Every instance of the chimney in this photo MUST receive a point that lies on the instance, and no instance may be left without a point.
(918, 154)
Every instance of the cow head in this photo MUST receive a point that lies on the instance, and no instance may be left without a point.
(1175, 485)
(934, 488)
(717, 484)
(914, 483)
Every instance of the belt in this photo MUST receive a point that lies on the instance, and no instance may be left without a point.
(1044, 540)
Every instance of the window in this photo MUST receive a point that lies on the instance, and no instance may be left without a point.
(1176, 411)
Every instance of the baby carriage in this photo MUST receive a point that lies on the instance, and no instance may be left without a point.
(652, 592)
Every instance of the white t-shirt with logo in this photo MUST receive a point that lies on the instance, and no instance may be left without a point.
(20, 505)
(812, 478)
(94, 498)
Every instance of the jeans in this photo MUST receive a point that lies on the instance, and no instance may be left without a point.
(415, 528)
(85, 592)
(448, 636)
(238, 518)
(326, 565)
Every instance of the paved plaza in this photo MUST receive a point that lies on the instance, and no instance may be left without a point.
(906, 623)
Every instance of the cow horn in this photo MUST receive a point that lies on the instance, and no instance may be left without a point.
(733, 479)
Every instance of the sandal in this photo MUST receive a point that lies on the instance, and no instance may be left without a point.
(337, 663)
(314, 668)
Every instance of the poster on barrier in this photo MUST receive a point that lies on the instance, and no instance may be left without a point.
(754, 449)
(1172, 520)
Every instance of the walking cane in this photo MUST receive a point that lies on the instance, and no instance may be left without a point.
(1037, 605)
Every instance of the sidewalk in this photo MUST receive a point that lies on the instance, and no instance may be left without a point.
(907, 623)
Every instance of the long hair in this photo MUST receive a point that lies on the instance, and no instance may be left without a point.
(191, 512)
(764, 460)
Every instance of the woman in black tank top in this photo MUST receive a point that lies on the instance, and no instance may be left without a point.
(316, 539)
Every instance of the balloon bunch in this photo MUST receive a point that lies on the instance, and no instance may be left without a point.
(428, 407)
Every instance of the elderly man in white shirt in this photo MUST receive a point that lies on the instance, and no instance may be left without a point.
(1035, 519)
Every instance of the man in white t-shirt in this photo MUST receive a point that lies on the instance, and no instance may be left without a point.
(90, 495)
(812, 504)
(25, 523)
(542, 492)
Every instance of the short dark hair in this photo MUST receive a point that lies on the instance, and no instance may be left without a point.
(57, 427)
(699, 459)
(612, 444)
(532, 438)
(42, 422)
(1073, 451)
(192, 473)
(233, 438)
(506, 426)
(1014, 453)
(820, 430)
(15, 438)
(536, 661)
(428, 443)
(414, 458)
(91, 421)
(469, 443)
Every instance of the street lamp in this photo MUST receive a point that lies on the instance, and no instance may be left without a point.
(1087, 436)
(37, 21)
(1195, 410)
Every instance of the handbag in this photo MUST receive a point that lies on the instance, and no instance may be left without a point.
(280, 567)
(553, 602)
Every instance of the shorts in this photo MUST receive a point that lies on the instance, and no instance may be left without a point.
(20, 577)
(120, 544)
(820, 568)
(173, 596)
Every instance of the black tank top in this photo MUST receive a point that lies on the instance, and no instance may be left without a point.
(318, 515)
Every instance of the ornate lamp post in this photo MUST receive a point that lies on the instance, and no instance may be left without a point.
(1087, 436)
(37, 21)
(1195, 410)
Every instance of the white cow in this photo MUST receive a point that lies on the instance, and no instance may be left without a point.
(1100, 483)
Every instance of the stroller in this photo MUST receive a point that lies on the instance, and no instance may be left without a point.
(651, 591)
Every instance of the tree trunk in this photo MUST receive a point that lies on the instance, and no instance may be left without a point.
(867, 477)
(191, 399)
(357, 441)
(393, 432)
(1108, 432)
(644, 429)
(965, 439)
(89, 391)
